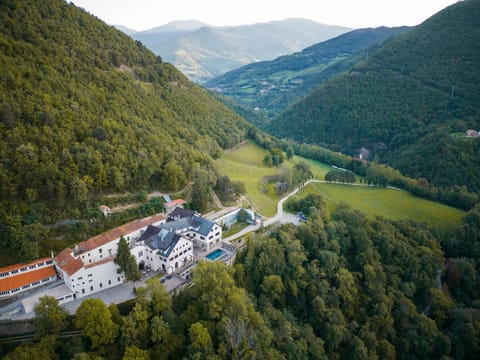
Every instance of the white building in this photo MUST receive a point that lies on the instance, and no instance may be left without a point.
(89, 267)
(17, 278)
(202, 232)
(161, 249)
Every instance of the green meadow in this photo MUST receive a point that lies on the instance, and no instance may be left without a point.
(245, 164)
(388, 203)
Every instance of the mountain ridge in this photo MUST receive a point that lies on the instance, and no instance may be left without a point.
(85, 110)
(210, 51)
(404, 102)
(272, 85)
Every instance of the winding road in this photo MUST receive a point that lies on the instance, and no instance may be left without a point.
(283, 217)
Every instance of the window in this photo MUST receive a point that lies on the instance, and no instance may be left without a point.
(100, 251)
(83, 291)
(109, 282)
(80, 278)
(91, 288)
(118, 279)
(140, 253)
(90, 275)
(101, 285)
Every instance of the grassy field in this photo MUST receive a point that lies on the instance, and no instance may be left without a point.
(389, 203)
(245, 164)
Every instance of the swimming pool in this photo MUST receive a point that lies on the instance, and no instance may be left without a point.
(215, 254)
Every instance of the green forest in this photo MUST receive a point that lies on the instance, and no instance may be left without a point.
(405, 102)
(274, 85)
(339, 286)
(87, 111)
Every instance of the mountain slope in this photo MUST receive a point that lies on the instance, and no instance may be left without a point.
(211, 51)
(405, 102)
(158, 36)
(125, 29)
(84, 109)
(273, 85)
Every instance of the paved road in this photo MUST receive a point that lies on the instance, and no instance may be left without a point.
(116, 294)
(283, 217)
(280, 217)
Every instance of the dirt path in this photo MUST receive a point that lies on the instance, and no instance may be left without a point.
(216, 200)
(235, 147)
(123, 207)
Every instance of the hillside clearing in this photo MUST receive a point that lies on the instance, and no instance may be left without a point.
(245, 164)
(389, 203)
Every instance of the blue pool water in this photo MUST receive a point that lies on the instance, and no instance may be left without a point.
(215, 254)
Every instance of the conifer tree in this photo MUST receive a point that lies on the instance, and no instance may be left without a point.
(126, 261)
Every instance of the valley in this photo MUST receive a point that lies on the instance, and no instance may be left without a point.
(245, 164)
(319, 198)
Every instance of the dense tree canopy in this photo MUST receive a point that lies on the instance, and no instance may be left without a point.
(405, 103)
(338, 286)
(84, 110)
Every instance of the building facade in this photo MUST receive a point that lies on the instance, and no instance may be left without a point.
(17, 278)
(90, 266)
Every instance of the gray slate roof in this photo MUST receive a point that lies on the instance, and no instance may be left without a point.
(195, 222)
(160, 239)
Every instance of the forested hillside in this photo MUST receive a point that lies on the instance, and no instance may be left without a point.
(86, 110)
(406, 102)
(273, 85)
(336, 287)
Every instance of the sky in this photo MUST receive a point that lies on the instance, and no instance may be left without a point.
(146, 14)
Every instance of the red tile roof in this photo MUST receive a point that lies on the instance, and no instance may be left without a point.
(174, 203)
(101, 262)
(113, 234)
(19, 266)
(67, 262)
(24, 278)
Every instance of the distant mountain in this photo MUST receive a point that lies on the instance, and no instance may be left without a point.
(125, 29)
(86, 110)
(210, 51)
(175, 26)
(273, 85)
(408, 103)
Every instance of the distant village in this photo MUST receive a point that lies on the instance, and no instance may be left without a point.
(168, 242)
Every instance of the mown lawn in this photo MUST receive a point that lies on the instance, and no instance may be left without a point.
(389, 203)
(245, 164)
